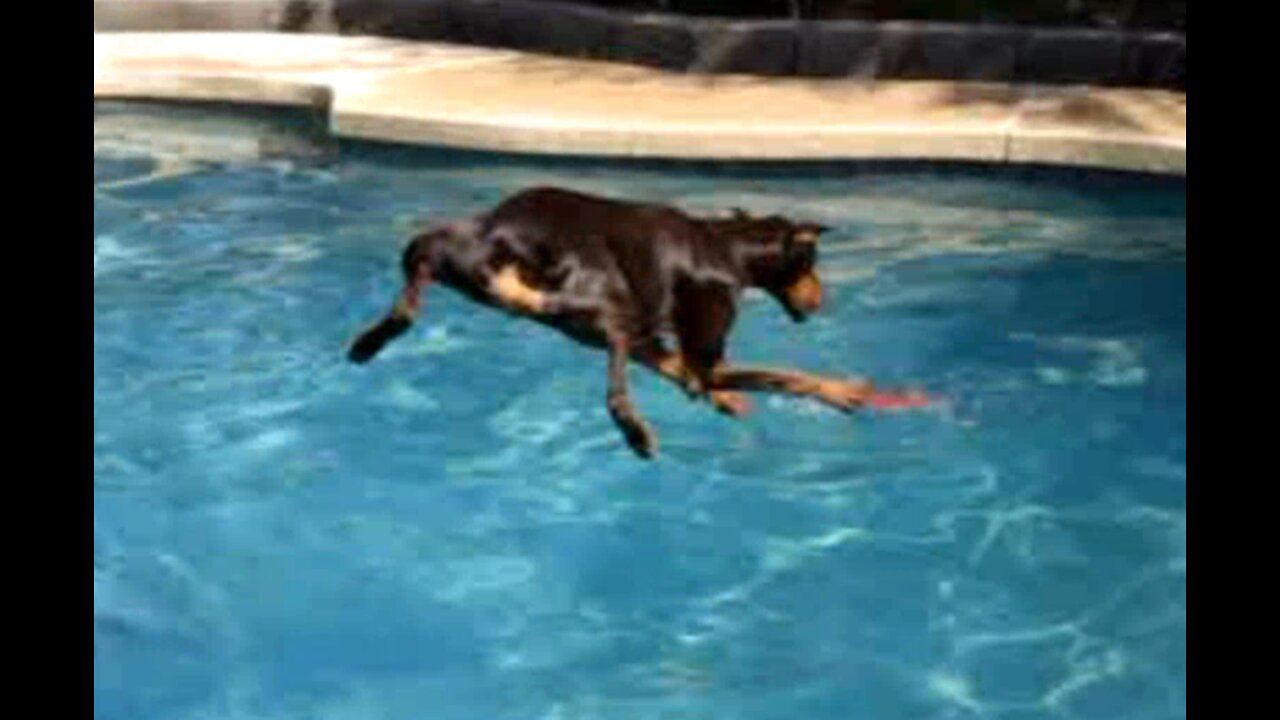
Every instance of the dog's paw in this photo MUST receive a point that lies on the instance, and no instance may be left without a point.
(846, 395)
(639, 436)
(731, 403)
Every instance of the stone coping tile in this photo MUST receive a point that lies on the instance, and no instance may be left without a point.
(502, 100)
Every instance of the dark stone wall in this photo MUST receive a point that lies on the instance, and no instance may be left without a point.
(1148, 14)
(910, 49)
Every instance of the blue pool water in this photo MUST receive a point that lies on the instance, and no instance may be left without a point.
(457, 531)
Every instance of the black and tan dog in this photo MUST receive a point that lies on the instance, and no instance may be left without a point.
(629, 278)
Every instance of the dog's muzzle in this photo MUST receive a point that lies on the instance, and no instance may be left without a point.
(804, 296)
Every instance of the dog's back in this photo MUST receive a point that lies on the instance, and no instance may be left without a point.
(565, 221)
(641, 246)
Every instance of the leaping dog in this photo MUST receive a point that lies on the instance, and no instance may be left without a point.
(627, 277)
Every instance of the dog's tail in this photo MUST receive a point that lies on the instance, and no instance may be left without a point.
(406, 309)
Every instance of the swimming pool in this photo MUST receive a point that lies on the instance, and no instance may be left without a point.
(457, 531)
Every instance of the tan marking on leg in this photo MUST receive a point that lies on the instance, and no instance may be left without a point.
(672, 366)
(731, 403)
(405, 308)
(844, 393)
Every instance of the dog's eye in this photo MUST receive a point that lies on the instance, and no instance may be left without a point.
(800, 254)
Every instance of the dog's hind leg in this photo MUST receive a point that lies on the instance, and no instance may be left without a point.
(506, 286)
(510, 291)
(406, 309)
(637, 432)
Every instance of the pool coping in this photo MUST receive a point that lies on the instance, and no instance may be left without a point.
(439, 94)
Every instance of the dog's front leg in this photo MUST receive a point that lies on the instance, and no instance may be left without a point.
(838, 393)
(637, 432)
(671, 366)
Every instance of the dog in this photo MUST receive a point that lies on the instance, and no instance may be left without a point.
(645, 282)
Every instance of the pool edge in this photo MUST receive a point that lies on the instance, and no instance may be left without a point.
(436, 94)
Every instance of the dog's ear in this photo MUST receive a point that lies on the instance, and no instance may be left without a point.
(808, 232)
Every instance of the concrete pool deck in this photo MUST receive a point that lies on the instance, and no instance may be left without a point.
(502, 100)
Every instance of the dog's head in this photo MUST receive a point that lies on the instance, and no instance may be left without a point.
(798, 287)
(780, 256)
